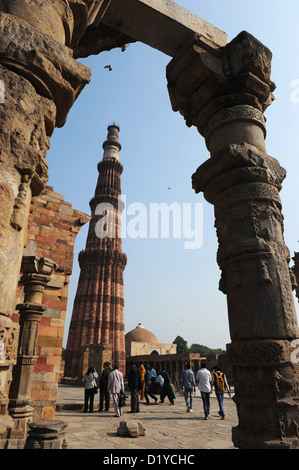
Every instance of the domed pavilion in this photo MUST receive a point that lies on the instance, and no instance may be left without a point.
(140, 342)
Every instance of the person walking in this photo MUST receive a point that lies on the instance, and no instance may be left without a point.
(134, 384)
(220, 384)
(203, 379)
(148, 386)
(159, 383)
(189, 385)
(142, 378)
(167, 390)
(116, 387)
(153, 379)
(90, 388)
(103, 385)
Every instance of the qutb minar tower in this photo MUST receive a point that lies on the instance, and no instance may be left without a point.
(98, 311)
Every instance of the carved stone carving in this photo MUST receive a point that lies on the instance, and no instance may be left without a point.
(8, 344)
(270, 386)
(235, 113)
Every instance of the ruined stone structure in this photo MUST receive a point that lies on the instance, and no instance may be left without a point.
(98, 312)
(222, 88)
(42, 298)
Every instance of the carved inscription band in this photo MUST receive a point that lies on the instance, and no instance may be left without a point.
(246, 192)
(235, 113)
(259, 353)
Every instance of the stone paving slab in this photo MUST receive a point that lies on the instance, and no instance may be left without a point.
(166, 426)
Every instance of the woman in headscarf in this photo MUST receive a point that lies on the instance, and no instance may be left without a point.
(167, 390)
(142, 378)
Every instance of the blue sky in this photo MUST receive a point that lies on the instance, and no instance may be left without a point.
(170, 290)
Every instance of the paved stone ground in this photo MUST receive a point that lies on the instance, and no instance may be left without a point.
(166, 426)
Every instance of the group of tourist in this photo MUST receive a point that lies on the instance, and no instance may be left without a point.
(205, 381)
(145, 383)
(111, 384)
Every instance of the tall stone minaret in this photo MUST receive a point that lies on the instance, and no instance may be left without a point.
(98, 311)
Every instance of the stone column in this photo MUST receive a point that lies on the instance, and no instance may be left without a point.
(41, 81)
(46, 435)
(224, 93)
(36, 275)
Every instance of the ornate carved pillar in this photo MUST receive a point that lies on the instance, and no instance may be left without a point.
(36, 275)
(224, 93)
(41, 81)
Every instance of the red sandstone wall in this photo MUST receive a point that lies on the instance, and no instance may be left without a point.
(53, 227)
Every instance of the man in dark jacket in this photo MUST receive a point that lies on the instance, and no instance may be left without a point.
(148, 386)
(104, 394)
(134, 384)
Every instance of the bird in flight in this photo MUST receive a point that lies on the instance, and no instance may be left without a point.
(108, 67)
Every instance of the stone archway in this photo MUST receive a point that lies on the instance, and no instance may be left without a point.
(154, 353)
(221, 88)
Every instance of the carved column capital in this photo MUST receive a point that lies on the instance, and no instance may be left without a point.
(41, 266)
(213, 87)
(47, 63)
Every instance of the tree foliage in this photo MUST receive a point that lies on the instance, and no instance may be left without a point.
(204, 350)
(182, 348)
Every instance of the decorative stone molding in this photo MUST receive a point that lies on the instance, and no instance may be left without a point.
(266, 353)
(88, 258)
(235, 113)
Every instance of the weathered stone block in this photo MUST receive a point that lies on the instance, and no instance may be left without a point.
(130, 428)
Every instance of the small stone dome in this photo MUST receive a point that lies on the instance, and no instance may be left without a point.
(140, 335)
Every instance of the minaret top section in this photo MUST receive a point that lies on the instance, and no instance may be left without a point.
(112, 145)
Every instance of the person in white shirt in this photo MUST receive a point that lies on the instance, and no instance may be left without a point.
(116, 387)
(203, 380)
(159, 383)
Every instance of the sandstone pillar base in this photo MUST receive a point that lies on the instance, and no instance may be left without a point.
(46, 435)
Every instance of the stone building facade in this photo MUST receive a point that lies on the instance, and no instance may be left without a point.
(141, 341)
(53, 227)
